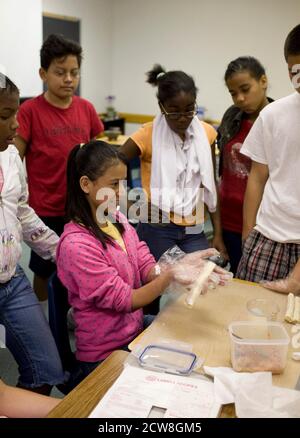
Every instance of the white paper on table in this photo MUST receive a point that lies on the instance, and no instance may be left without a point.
(253, 394)
(137, 391)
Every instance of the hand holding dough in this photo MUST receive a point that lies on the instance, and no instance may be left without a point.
(197, 286)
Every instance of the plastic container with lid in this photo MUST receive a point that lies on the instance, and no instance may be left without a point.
(258, 346)
(167, 359)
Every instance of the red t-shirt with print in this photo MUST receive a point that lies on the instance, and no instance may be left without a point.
(50, 134)
(235, 171)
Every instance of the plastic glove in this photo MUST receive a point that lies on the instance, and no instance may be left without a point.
(223, 275)
(175, 256)
(197, 257)
(186, 273)
(219, 277)
(285, 285)
(170, 257)
(188, 277)
(187, 268)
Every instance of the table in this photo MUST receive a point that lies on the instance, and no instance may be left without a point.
(204, 326)
(80, 402)
(120, 140)
(109, 123)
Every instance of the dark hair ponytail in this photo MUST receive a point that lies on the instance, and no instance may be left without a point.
(153, 75)
(170, 83)
(245, 63)
(91, 159)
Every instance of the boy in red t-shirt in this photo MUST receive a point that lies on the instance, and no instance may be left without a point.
(49, 127)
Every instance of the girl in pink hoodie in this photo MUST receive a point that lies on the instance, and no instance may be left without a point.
(110, 275)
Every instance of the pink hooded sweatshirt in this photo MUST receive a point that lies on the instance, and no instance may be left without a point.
(100, 283)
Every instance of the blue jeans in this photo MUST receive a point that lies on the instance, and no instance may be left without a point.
(28, 336)
(159, 238)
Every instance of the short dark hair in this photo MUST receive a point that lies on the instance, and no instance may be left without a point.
(7, 86)
(170, 83)
(245, 63)
(292, 42)
(55, 47)
(91, 159)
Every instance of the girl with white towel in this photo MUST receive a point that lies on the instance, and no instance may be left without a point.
(176, 151)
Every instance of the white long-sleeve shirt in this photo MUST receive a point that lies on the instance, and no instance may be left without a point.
(18, 221)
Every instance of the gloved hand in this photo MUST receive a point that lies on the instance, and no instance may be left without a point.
(218, 277)
(223, 275)
(187, 270)
(175, 255)
(286, 285)
(196, 257)
(190, 271)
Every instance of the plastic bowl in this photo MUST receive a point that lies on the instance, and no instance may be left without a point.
(263, 308)
(112, 134)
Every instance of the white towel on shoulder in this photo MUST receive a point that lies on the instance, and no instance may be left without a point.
(177, 173)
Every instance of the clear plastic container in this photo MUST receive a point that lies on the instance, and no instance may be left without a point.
(258, 346)
(167, 359)
(262, 308)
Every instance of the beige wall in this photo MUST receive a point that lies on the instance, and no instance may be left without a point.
(200, 37)
(122, 39)
(21, 38)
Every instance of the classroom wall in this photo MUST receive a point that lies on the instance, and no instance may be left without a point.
(122, 39)
(200, 37)
(21, 38)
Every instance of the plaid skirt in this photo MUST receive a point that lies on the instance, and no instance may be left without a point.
(264, 259)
